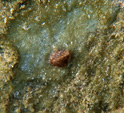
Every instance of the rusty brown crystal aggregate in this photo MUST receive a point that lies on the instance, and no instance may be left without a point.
(60, 58)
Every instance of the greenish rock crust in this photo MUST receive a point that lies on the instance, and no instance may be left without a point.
(31, 30)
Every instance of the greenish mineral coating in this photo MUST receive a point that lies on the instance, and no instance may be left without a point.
(31, 30)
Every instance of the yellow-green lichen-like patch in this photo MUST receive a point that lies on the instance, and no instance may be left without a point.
(8, 59)
(9, 10)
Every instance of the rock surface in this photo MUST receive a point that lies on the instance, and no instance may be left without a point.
(30, 30)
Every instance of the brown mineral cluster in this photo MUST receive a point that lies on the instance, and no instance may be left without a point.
(60, 58)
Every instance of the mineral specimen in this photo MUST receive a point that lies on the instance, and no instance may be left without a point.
(60, 58)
